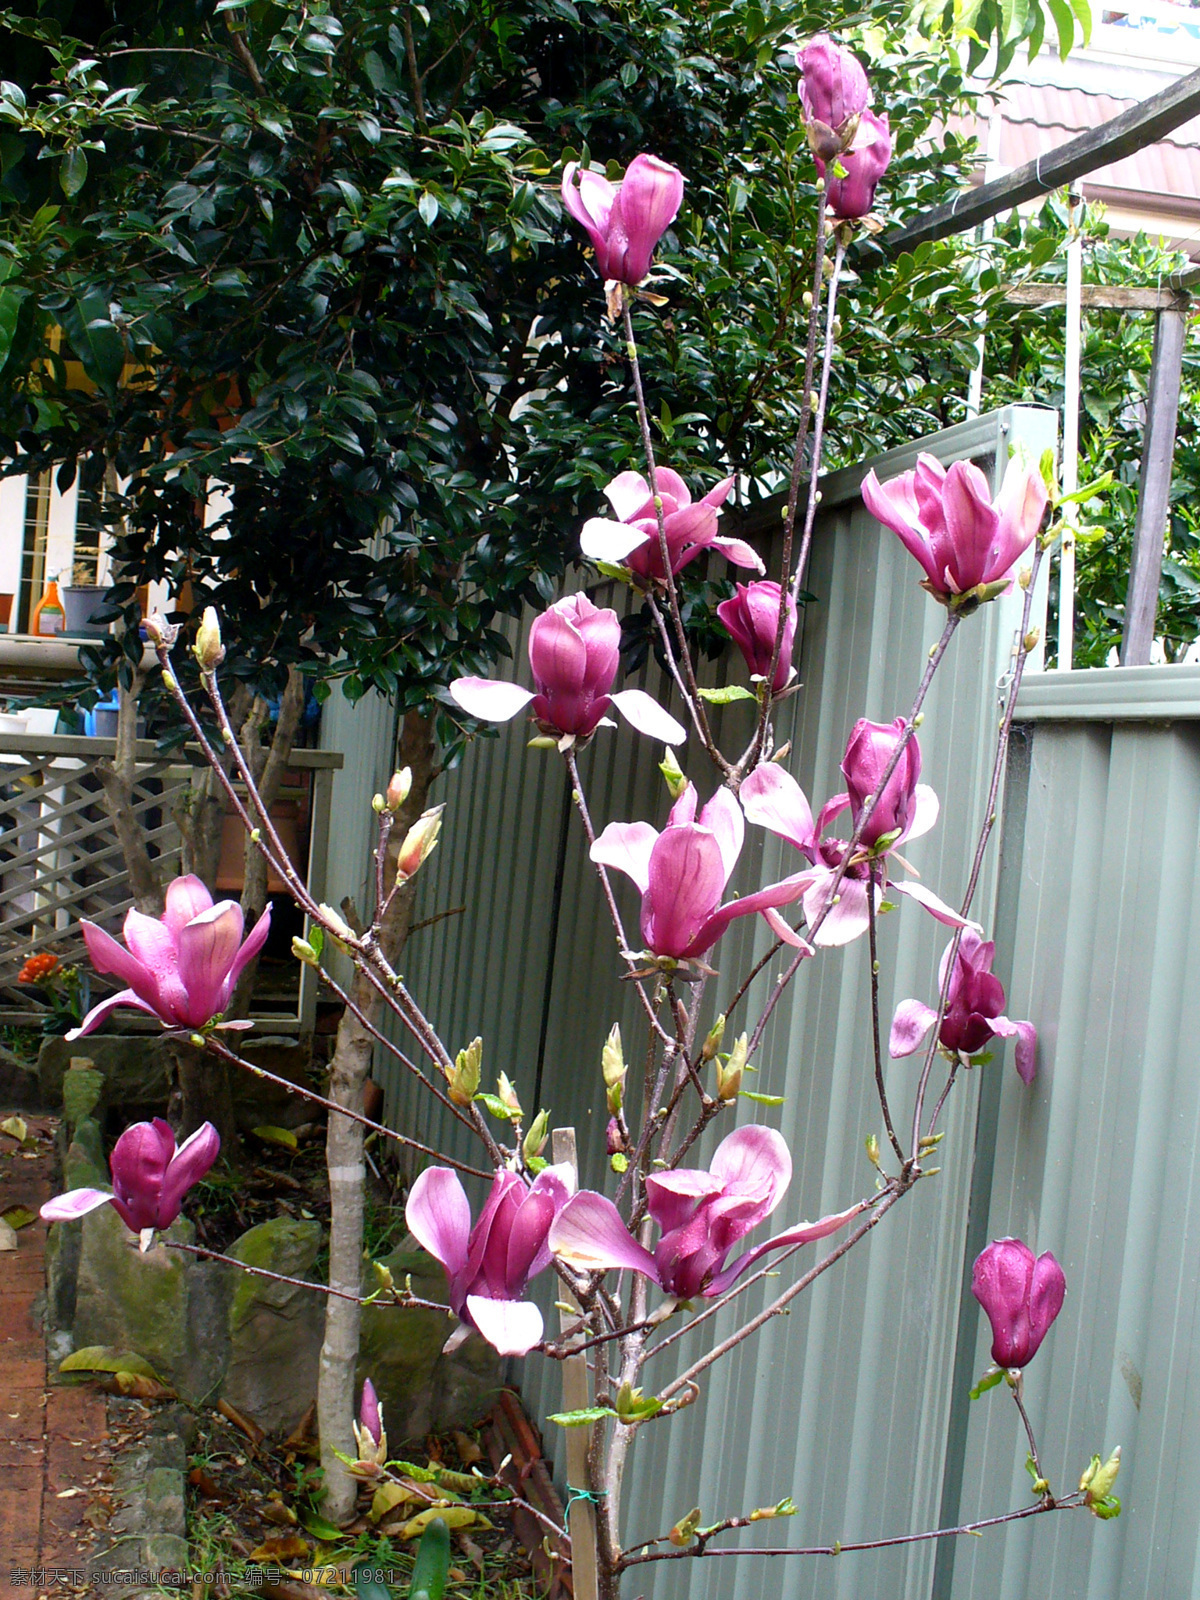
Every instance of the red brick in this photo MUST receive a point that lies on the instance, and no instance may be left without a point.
(25, 1374)
(19, 1452)
(77, 1413)
(22, 1415)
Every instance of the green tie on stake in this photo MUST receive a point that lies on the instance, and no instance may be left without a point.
(430, 1574)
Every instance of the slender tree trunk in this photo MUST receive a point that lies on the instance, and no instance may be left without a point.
(200, 813)
(344, 1151)
(119, 780)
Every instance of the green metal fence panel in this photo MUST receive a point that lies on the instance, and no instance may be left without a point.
(845, 1403)
(1100, 907)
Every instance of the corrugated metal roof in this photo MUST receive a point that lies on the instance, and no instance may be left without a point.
(1038, 117)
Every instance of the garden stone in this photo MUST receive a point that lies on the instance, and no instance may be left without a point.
(82, 1088)
(142, 1303)
(85, 1166)
(20, 1089)
(136, 1068)
(400, 1350)
(258, 1104)
(275, 1329)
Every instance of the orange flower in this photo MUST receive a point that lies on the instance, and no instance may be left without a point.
(38, 968)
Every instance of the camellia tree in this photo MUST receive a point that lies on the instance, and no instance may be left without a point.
(671, 1244)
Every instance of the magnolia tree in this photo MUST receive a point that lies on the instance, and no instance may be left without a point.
(671, 1246)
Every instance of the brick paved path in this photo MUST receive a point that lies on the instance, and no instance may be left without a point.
(51, 1439)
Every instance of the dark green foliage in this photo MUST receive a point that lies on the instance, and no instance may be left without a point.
(316, 255)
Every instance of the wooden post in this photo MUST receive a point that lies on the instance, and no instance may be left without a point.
(1154, 488)
(582, 1514)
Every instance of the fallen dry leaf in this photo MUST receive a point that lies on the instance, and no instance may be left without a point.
(280, 1547)
(275, 1511)
(199, 1479)
(248, 1426)
(468, 1451)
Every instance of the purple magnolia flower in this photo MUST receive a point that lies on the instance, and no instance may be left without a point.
(834, 93)
(751, 619)
(773, 799)
(869, 748)
(182, 968)
(702, 1215)
(487, 1266)
(974, 1010)
(864, 163)
(1021, 1295)
(150, 1177)
(574, 649)
(690, 527)
(947, 520)
(625, 221)
(682, 873)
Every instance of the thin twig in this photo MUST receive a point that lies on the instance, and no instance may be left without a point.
(874, 951)
(398, 1297)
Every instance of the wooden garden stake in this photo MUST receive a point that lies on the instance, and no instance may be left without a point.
(581, 1515)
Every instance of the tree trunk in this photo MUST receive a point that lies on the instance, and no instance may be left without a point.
(268, 764)
(200, 813)
(119, 779)
(350, 1068)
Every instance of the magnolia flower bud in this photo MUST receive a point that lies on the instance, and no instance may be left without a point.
(535, 1140)
(463, 1077)
(158, 630)
(418, 843)
(684, 1531)
(612, 1065)
(713, 1042)
(303, 951)
(729, 1073)
(673, 773)
(208, 649)
(369, 1433)
(614, 1139)
(337, 925)
(507, 1095)
(1097, 1480)
(399, 789)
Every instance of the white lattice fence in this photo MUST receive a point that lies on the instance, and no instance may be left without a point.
(59, 855)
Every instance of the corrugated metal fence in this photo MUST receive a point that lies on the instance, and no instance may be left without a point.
(856, 1404)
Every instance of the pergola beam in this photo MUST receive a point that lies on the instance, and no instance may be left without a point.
(1142, 125)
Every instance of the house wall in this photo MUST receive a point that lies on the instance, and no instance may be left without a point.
(846, 1403)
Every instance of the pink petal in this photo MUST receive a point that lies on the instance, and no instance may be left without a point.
(831, 810)
(687, 875)
(603, 540)
(590, 200)
(671, 1196)
(438, 1215)
(895, 505)
(924, 813)
(739, 552)
(805, 1233)
(645, 714)
(783, 893)
(207, 947)
(512, 1327)
(754, 1160)
(187, 897)
(188, 1165)
(629, 491)
(103, 1011)
(75, 1203)
(847, 920)
(1025, 1053)
(626, 846)
(489, 699)
(782, 929)
(936, 908)
(723, 817)
(251, 945)
(153, 944)
(109, 956)
(773, 799)
(912, 1021)
(588, 1234)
